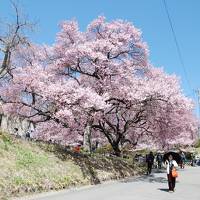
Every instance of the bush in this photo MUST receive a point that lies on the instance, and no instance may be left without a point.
(6, 139)
(105, 149)
(197, 145)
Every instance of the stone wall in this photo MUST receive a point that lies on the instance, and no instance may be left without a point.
(15, 125)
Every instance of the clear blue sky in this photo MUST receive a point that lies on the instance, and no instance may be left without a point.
(148, 15)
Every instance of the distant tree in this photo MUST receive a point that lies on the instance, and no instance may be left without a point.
(12, 36)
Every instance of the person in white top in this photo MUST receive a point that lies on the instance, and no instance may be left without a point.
(171, 163)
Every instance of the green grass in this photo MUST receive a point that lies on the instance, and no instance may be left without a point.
(30, 167)
(26, 167)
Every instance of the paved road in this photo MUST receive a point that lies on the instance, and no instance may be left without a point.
(141, 188)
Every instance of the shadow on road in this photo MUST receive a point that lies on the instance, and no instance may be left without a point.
(144, 178)
(163, 189)
(148, 178)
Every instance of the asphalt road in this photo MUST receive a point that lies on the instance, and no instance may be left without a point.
(139, 188)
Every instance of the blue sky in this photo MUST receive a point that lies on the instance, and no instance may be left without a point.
(148, 15)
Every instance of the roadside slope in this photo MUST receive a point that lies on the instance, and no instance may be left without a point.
(33, 167)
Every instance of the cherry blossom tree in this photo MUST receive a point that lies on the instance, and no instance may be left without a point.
(98, 84)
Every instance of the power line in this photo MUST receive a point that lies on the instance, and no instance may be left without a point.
(177, 45)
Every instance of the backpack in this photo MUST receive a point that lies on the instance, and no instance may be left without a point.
(159, 158)
(150, 159)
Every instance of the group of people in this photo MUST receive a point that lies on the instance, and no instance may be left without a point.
(150, 158)
(28, 134)
(170, 163)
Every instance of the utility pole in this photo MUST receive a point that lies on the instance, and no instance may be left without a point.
(198, 96)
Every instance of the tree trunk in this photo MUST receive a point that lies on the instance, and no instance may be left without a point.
(87, 138)
(116, 149)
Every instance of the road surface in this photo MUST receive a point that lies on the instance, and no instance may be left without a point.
(139, 188)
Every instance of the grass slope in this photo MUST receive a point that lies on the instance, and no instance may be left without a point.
(30, 167)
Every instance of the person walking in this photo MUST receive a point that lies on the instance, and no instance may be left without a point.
(193, 160)
(149, 161)
(159, 159)
(171, 165)
(182, 163)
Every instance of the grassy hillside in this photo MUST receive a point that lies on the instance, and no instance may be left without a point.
(30, 167)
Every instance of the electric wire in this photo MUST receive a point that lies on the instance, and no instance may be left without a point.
(177, 46)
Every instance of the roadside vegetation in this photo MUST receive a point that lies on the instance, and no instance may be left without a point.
(31, 167)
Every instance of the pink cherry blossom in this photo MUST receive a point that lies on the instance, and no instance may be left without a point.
(101, 79)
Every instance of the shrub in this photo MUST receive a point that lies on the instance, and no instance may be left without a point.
(105, 149)
(197, 145)
(6, 139)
